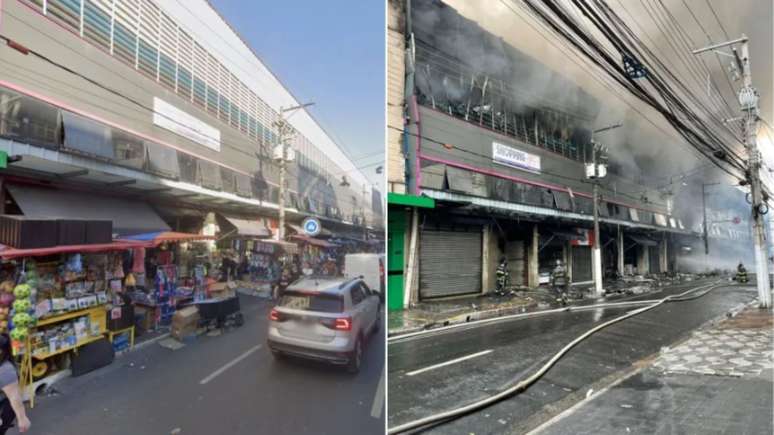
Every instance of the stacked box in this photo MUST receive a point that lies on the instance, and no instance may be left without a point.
(185, 322)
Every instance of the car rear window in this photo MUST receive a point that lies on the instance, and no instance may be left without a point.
(321, 302)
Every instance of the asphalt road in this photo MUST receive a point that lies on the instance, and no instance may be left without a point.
(440, 371)
(229, 384)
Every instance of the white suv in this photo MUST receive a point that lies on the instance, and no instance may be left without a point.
(325, 319)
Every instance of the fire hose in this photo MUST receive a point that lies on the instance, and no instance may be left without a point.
(447, 415)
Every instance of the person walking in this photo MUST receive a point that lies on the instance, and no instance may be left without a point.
(11, 405)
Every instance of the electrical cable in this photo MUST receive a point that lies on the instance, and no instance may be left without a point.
(426, 422)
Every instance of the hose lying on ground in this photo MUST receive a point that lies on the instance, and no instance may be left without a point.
(465, 325)
(446, 415)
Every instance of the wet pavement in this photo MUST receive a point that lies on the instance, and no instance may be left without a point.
(218, 384)
(437, 313)
(717, 382)
(496, 355)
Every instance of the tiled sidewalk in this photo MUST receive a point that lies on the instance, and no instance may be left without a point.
(741, 346)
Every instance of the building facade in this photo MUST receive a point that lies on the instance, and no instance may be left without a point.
(492, 150)
(162, 102)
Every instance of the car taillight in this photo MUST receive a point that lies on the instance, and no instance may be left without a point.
(274, 315)
(381, 270)
(343, 324)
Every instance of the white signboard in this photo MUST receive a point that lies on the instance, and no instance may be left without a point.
(175, 120)
(508, 156)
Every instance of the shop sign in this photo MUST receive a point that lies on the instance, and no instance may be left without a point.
(264, 248)
(585, 237)
(175, 120)
(509, 156)
(311, 226)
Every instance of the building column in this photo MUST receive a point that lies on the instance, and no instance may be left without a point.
(568, 260)
(490, 259)
(643, 260)
(663, 258)
(533, 277)
(620, 251)
(411, 285)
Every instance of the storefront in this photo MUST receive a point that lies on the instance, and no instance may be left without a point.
(450, 261)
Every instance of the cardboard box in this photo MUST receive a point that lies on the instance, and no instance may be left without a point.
(187, 317)
(223, 290)
(181, 332)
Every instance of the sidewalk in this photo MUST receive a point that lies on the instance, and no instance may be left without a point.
(429, 315)
(717, 381)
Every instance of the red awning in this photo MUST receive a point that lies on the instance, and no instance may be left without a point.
(313, 241)
(7, 252)
(172, 236)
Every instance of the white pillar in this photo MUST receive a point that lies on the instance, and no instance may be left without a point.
(620, 255)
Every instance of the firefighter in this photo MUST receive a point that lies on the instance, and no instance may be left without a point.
(741, 273)
(502, 277)
(560, 282)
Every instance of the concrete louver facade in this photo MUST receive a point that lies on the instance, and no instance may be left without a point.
(505, 170)
(166, 94)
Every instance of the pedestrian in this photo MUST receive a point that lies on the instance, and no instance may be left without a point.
(11, 405)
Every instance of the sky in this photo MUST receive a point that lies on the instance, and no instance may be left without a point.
(331, 53)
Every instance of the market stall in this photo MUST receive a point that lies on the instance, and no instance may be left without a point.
(54, 302)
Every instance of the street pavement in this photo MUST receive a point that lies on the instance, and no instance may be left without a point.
(442, 370)
(228, 384)
(719, 381)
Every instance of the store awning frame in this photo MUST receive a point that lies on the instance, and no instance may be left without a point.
(155, 239)
(9, 253)
(312, 241)
(288, 247)
(247, 228)
(644, 241)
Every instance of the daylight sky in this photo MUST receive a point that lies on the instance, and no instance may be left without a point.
(329, 53)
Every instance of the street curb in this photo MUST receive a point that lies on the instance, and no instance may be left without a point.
(503, 312)
(143, 344)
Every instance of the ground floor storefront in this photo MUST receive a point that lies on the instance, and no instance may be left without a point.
(454, 249)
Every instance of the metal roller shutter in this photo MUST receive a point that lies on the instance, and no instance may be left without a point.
(517, 262)
(581, 264)
(655, 265)
(449, 263)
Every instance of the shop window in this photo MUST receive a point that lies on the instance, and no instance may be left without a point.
(129, 150)
(242, 183)
(228, 180)
(28, 120)
(209, 175)
(162, 160)
(188, 168)
(85, 136)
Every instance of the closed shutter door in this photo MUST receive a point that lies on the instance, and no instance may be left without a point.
(581, 264)
(517, 262)
(449, 263)
(655, 266)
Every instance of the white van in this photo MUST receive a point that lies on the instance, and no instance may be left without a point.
(370, 267)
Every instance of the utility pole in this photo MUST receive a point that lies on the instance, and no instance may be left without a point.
(596, 249)
(284, 136)
(597, 171)
(748, 100)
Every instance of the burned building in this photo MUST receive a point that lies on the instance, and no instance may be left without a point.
(494, 148)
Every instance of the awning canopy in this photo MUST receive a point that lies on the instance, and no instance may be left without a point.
(312, 241)
(644, 241)
(248, 228)
(128, 216)
(7, 252)
(157, 238)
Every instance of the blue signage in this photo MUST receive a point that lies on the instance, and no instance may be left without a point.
(311, 226)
